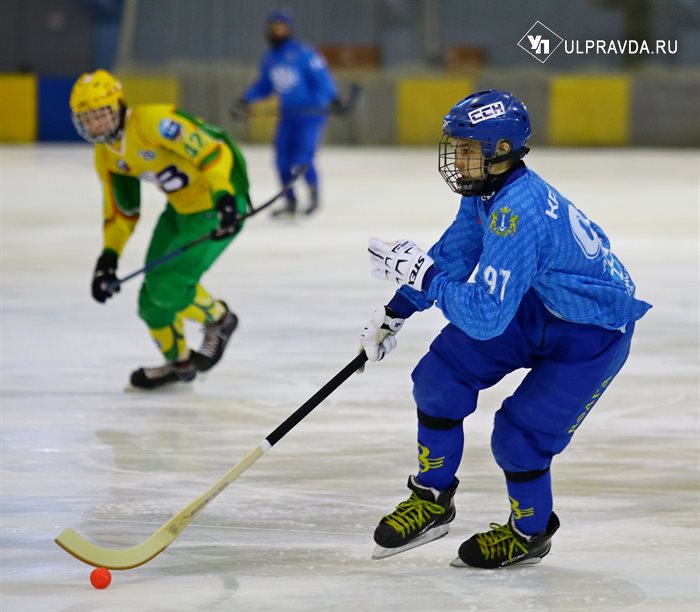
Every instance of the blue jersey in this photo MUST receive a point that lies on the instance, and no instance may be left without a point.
(297, 74)
(527, 236)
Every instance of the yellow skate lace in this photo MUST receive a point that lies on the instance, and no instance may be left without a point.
(499, 542)
(412, 513)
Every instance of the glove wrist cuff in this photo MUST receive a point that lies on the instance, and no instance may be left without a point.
(418, 272)
(108, 259)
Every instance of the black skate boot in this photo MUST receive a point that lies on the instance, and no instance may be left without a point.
(422, 518)
(167, 374)
(287, 212)
(504, 545)
(216, 337)
(313, 204)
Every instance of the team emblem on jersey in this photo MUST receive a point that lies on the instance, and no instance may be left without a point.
(123, 166)
(503, 222)
(284, 78)
(170, 129)
(147, 155)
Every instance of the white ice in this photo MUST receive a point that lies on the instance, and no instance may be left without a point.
(294, 533)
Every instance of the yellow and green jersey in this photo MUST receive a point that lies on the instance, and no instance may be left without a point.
(191, 161)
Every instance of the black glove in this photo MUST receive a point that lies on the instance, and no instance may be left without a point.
(105, 274)
(229, 219)
(336, 106)
(240, 108)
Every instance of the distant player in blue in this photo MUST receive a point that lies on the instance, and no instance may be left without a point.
(548, 295)
(300, 77)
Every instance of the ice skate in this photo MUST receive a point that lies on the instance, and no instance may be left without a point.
(504, 545)
(216, 337)
(287, 212)
(425, 516)
(314, 204)
(167, 374)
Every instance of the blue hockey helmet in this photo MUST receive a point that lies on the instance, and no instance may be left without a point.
(281, 16)
(487, 117)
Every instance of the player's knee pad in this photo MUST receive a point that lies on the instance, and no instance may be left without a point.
(438, 423)
(515, 447)
(524, 476)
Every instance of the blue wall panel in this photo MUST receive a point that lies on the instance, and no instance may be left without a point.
(54, 113)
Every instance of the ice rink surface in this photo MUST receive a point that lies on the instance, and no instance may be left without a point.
(294, 533)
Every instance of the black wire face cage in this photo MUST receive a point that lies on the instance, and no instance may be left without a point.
(111, 135)
(468, 180)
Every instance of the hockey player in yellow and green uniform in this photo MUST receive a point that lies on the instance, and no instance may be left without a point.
(203, 175)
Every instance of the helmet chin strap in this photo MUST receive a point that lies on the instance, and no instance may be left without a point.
(493, 182)
(519, 154)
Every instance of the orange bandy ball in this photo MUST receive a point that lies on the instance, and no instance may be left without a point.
(100, 578)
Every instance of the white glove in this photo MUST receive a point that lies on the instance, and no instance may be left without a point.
(403, 262)
(378, 338)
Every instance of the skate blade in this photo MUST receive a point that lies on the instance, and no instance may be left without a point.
(433, 534)
(285, 218)
(459, 563)
(178, 387)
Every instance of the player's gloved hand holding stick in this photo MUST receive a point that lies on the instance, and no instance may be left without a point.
(240, 109)
(378, 338)
(104, 277)
(229, 219)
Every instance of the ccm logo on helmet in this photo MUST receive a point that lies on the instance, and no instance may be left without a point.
(490, 111)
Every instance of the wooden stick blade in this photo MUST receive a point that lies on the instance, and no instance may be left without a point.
(114, 558)
(126, 558)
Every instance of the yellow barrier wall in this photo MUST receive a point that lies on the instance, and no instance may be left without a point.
(18, 107)
(151, 90)
(263, 120)
(589, 111)
(422, 104)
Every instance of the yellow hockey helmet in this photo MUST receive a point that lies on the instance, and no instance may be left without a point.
(97, 106)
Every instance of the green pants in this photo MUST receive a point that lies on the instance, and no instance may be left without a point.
(170, 288)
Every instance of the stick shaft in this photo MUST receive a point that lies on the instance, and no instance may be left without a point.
(300, 413)
(280, 431)
(309, 111)
(183, 518)
(159, 261)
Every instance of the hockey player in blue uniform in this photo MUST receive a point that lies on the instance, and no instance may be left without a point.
(300, 77)
(548, 295)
